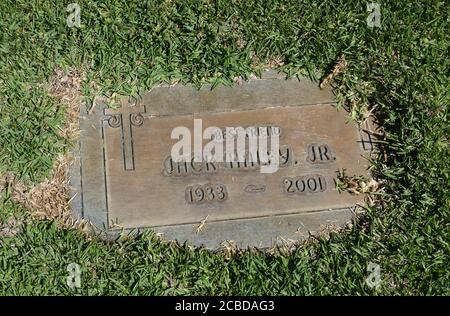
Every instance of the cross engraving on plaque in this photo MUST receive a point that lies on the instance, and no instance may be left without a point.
(126, 118)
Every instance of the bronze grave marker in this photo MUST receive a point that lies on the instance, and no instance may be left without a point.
(125, 177)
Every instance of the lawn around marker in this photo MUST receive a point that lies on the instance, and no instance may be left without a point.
(397, 72)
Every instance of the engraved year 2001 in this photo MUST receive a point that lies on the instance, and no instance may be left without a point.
(304, 184)
(206, 193)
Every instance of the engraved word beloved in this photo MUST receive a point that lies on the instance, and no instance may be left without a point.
(250, 146)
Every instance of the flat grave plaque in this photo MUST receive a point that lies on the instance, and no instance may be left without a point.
(126, 178)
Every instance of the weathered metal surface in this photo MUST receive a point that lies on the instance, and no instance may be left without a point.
(126, 179)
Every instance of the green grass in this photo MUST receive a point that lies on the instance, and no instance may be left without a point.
(124, 46)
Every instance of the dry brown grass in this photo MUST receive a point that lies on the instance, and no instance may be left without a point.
(66, 87)
(10, 227)
(339, 67)
(50, 199)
